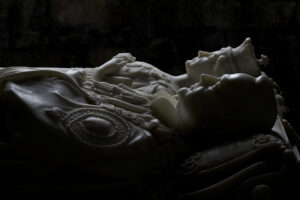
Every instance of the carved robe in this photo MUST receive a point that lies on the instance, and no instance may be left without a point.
(63, 115)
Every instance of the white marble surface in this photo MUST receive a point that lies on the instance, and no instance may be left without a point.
(143, 113)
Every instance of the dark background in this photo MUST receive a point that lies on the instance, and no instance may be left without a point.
(165, 33)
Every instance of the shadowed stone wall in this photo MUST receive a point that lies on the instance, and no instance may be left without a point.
(165, 33)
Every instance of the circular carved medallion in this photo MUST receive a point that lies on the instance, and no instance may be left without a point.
(97, 127)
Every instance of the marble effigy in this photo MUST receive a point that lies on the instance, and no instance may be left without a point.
(127, 121)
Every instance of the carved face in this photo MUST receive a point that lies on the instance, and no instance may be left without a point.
(231, 103)
(224, 61)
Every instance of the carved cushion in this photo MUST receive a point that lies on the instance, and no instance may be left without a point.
(262, 163)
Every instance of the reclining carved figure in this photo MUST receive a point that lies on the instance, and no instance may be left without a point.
(128, 121)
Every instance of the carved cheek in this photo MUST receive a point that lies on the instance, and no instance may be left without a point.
(198, 98)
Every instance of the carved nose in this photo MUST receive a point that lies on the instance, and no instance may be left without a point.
(208, 80)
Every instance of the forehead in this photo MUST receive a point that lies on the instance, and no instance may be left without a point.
(237, 81)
